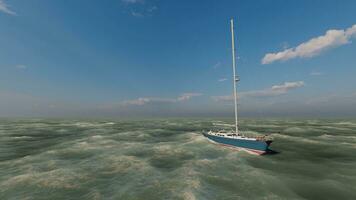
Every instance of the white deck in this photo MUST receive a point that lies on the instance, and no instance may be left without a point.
(233, 135)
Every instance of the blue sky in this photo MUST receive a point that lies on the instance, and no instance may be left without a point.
(173, 58)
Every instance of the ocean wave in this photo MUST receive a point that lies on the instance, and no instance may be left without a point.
(168, 156)
(263, 125)
(224, 124)
(191, 183)
(122, 164)
(193, 137)
(86, 124)
(34, 125)
(295, 130)
(56, 179)
(335, 128)
(347, 123)
(341, 139)
(21, 137)
(171, 159)
(338, 136)
(312, 140)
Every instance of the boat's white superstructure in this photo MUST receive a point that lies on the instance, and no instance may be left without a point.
(229, 135)
(235, 79)
(236, 139)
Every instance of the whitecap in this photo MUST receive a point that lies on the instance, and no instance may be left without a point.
(335, 128)
(263, 125)
(295, 130)
(85, 124)
(347, 123)
(295, 138)
(22, 137)
(97, 137)
(223, 124)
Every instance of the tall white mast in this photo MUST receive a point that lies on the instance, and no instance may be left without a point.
(235, 78)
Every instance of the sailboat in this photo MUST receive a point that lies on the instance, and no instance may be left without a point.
(257, 145)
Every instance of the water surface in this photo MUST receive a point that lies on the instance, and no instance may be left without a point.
(170, 159)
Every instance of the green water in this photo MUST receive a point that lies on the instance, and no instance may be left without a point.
(170, 159)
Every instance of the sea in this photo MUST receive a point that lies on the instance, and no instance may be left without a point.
(171, 159)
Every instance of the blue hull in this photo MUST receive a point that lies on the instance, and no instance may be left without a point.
(258, 146)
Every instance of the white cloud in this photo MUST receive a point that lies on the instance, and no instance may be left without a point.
(315, 74)
(132, 1)
(332, 38)
(187, 96)
(5, 8)
(282, 89)
(136, 14)
(139, 8)
(217, 65)
(21, 67)
(151, 9)
(223, 98)
(275, 90)
(222, 79)
(145, 100)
